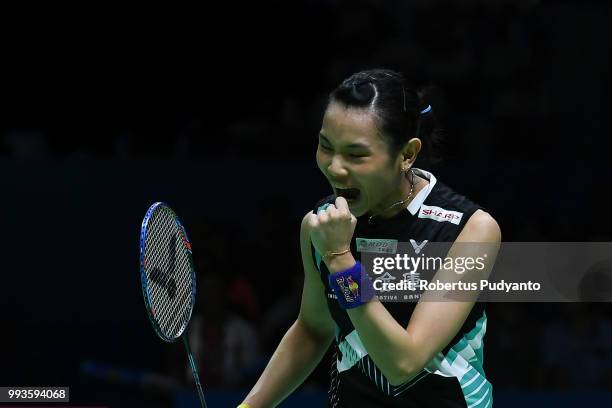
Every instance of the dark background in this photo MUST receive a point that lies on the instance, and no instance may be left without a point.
(216, 111)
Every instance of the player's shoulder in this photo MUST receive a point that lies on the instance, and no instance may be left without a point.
(482, 227)
(445, 197)
(477, 224)
(443, 203)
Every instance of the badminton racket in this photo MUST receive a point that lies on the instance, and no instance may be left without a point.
(168, 278)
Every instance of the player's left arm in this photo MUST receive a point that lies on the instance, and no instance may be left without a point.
(401, 352)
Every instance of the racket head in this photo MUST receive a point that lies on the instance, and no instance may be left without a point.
(167, 273)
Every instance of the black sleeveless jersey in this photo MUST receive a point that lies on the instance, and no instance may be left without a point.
(455, 376)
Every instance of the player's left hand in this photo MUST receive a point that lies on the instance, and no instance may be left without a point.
(331, 230)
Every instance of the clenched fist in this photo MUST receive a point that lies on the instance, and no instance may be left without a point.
(331, 229)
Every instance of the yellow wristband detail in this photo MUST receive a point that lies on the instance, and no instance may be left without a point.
(244, 405)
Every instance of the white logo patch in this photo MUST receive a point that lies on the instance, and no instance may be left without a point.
(440, 214)
(377, 246)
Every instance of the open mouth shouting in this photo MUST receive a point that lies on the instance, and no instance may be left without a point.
(350, 194)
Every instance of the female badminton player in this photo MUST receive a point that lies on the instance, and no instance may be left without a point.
(389, 354)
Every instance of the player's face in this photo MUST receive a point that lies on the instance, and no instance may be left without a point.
(355, 158)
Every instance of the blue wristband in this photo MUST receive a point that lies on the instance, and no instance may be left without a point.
(352, 288)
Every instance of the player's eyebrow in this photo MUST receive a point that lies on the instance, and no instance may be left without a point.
(352, 145)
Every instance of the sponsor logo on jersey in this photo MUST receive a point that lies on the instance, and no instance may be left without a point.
(418, 247)
(386, 278)
(440, 214)
(377, 246)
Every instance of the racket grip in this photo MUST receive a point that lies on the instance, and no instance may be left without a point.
(194, 370)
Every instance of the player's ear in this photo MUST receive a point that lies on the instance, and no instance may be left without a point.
(409, 153)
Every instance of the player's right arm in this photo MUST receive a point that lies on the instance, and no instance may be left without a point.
(304, 344)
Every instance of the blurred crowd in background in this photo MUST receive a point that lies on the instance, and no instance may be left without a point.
(503, 75)
(520, 84)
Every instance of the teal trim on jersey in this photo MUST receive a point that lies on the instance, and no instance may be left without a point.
(470, 347)
(470, 389)
(477, 390)
(480, 398)
(464, 361)
(353, 353)
(352, 350)
(469, 378)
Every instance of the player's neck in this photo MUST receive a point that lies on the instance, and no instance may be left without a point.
(401, 198)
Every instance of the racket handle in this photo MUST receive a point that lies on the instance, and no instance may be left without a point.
(194, 370)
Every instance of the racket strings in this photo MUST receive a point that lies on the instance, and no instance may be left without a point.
(174, 310)
(168, 267)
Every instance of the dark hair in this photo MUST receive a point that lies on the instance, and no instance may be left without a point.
(397, 109)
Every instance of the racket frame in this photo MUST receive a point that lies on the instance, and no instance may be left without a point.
(143, 275)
